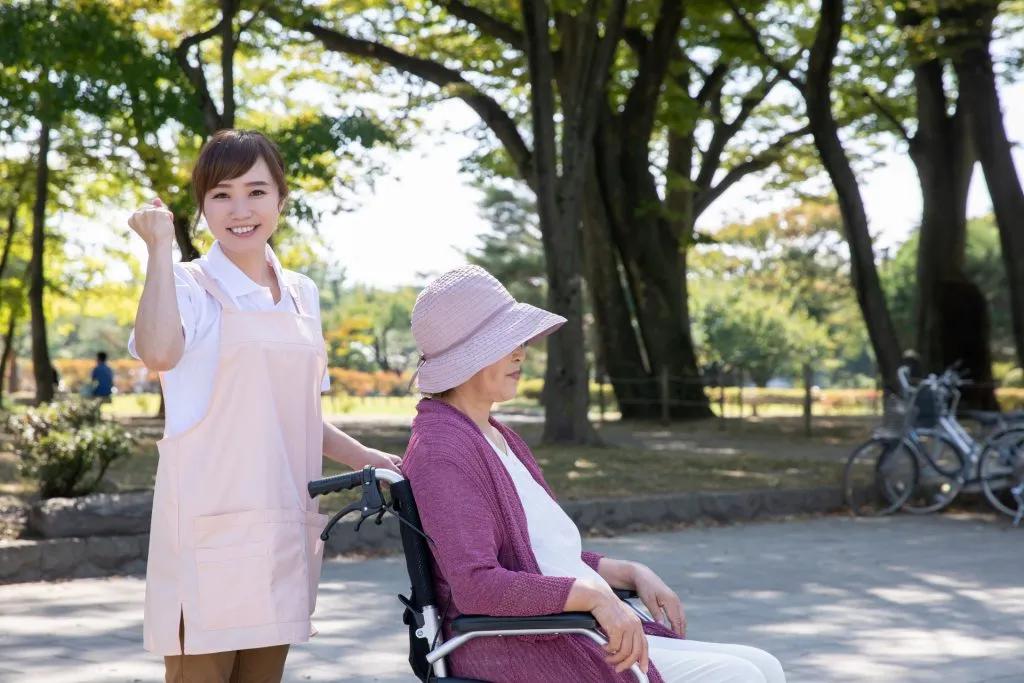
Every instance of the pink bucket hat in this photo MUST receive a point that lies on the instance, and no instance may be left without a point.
(466, 320)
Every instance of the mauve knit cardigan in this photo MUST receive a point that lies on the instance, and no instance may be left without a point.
(483, 559)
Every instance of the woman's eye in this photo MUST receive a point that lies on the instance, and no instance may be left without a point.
(220, 195)
(258, 193)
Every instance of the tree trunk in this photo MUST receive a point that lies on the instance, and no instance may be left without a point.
(977, 82)
(41, 364)
(5, 358)
(12, 323)
(654, 262)
(558, 207)
(864, 275)
(183, 235)
(618, 347)
(952, 313)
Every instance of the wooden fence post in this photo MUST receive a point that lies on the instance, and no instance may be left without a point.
(665, 413)
(739, 393)
(808, 397)
(721, 399)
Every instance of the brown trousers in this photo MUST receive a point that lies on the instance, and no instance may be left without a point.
(259, 665)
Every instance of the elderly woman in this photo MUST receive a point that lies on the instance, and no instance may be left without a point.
(502, 545)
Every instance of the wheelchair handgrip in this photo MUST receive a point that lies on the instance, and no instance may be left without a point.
(339, 482)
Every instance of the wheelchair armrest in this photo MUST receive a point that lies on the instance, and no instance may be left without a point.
(565, 621)
(625, 594)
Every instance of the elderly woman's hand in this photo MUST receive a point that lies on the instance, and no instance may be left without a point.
(662, 603)
(627, 643)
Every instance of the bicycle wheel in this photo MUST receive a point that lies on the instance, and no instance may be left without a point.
(879, 477)
(941, 473)
(1001, 471)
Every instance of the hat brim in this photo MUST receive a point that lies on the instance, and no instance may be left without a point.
(521, 324)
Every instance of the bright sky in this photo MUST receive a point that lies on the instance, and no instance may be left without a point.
(424, 212)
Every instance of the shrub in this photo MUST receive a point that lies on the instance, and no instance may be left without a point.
(1010, 399)
(67, 447)
(1013, 378)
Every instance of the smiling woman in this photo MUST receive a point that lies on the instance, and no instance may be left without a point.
(239, 345)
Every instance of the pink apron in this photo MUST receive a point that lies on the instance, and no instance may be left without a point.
(234, 545)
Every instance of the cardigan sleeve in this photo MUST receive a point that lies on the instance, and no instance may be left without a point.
(592, 559)
(455, 512)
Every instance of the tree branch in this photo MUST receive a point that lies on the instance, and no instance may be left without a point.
(490, 112)
(641, 103)
(197, 77)
(888, 115)
(786, 70)
(228, 10)
(711, 89)
(490, 25)
(754, 164)
(724, 132)
(593, 88)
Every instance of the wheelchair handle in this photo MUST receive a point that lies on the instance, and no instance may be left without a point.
(350, 480)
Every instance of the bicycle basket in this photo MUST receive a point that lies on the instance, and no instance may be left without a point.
(896, 418)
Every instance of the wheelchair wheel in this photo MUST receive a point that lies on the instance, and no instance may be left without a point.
(879, 477)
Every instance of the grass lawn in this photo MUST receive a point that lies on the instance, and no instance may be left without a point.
(636, 469)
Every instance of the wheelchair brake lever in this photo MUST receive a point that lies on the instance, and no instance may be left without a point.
(352, 507)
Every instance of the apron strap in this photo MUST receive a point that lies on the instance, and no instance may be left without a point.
(210, 285)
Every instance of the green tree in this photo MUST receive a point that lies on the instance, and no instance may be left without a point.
(797, 255)
(684, 113)
(754, 330)
(983, 264)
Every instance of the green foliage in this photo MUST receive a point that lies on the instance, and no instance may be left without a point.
(742, 327)
(797, 256)
(369, 329)
(67, 447)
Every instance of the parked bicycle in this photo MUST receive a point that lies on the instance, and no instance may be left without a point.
(922, 458)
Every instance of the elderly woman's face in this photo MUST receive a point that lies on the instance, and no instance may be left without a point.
(499, 382)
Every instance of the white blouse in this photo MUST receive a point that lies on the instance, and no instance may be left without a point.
(189, 385)
(556, 541)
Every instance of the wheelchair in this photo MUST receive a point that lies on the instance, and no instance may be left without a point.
(427, 648)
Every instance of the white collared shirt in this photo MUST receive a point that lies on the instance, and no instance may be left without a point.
(189, 385)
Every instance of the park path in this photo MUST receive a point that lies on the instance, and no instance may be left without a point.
(901, 600)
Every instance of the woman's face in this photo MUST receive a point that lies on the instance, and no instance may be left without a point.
(498, 382)
(242, 212)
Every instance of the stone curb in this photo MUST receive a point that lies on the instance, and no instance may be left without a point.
(99, 556)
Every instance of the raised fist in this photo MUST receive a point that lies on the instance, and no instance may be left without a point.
(154, 223)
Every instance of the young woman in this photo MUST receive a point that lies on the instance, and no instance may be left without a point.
(501, 544)
(234, 555)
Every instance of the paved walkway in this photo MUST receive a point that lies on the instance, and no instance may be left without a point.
(904, 600)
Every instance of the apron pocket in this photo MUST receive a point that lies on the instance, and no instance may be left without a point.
(293, 564)
(234, 586)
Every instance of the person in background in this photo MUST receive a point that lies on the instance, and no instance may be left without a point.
(102, 378)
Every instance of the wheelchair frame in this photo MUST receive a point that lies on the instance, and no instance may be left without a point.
(422, 605)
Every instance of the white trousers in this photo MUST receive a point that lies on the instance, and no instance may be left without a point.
(689, 661)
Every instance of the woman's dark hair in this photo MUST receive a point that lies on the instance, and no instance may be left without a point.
(228, 155)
